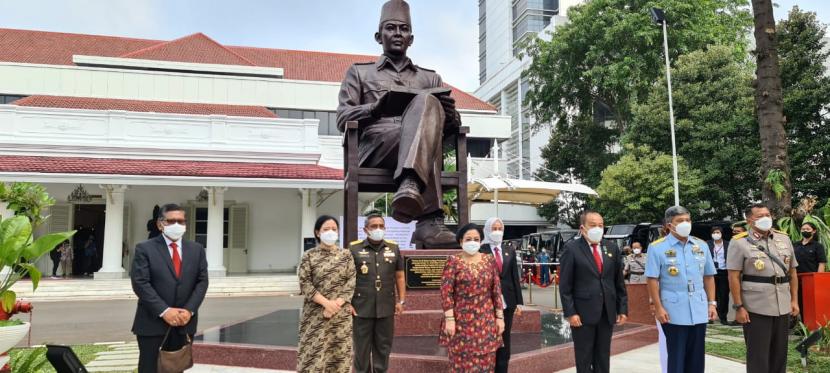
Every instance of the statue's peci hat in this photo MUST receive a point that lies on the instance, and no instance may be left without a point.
(395, 10)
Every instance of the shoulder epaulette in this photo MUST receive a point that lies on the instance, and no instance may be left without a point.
(739, 235)
(390, 241)
(424, 68)
(355, 242)
(781, 232)
(658, 240)
(365, 63)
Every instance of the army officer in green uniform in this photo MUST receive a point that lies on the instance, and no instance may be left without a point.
(379, 274)
(764, 286)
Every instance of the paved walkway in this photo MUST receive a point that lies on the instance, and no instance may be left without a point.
(121, 357)
(204, 368)
(646, 359)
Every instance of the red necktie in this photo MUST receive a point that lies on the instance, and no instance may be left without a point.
(498, 258)
(597, 258)
(177, 260)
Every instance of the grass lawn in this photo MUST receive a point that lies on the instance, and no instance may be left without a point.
(19, 357)
(737, 351)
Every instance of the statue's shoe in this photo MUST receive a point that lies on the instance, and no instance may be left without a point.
(407, 201)
(431, 233)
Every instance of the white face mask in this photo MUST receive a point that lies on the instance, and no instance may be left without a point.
(716, 236)
(377, 234)
(329, 237)
(684, 229)
(174, 231)
(637, 251)
(595, 234)
(471, 247)
(496, 236)
(764, 224)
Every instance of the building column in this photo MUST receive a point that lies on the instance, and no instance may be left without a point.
(308, 215)
(113, 233)
(216, 232)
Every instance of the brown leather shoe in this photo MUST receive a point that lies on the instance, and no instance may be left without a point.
(431, 233)
(407, 202)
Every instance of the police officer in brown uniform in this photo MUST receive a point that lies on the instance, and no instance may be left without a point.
(379, 274)
(764, 287)
(409, 143)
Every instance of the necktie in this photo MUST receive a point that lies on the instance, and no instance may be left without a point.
(177, 260)
(597, 258)
(498, 257)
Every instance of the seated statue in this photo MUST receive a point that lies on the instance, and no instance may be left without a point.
(403, 112)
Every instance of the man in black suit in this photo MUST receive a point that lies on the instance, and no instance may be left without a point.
(511, 288)
(593, 293)
(718, 247)
(169, 275)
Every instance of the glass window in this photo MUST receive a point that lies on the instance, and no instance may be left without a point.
(201, 226)
(479, 148)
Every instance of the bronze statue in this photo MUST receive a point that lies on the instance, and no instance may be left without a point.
(403, 112)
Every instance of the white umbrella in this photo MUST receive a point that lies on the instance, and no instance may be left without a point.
(518, 191)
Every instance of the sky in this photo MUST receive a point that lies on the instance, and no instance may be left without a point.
(446, 31)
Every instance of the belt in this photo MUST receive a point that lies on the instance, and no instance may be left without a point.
(638, 273)
(766, 280)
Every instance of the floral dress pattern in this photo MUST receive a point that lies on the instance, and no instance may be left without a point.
(326, 344)
(473, 292)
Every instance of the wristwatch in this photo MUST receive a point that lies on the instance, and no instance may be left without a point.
(713, 303)
(402, 302)
(737, 306)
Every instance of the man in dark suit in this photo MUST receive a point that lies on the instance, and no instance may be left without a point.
(719, 248)
(593, 293)
(511, 288)
(169, 275)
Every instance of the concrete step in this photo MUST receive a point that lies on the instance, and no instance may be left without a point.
(88, 289)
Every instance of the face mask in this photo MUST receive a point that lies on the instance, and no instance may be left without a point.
(174, 231)
(329, 237)
(496, 236)
(764, 224)
(637, 251)
(684, 229)
(716, 236)
(377, 234)
(595, 234)
(471, 247)
(807, 234)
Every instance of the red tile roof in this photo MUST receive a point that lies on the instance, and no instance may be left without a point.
(196, 48)
(148, 167)
(144, 106)
(55, 48)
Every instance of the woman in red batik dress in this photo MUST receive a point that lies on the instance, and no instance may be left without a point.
(473, 308)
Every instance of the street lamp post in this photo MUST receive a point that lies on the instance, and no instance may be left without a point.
(659, 17)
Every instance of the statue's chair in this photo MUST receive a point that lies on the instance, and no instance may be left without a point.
(379, 180)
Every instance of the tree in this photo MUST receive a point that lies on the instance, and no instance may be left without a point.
(716, 128)
(602, 62)
(769, 105)
(806, 98)
(639, 187)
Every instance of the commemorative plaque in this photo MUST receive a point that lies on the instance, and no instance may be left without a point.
(424, 272)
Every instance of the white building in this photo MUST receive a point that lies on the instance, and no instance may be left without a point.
(244, 137)
(503, 26)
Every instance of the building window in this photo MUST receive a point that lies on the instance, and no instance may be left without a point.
(531, 17)
(201, 225)
(482, 41)
(328, 119)
(479, 148)
(8, 99)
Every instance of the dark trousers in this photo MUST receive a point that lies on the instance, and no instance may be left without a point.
(685, 345)
(592, 346)
(148, 349)
(56, 262)
(503, 353)
(412, 148)
(372, 339)
(722, 294)
(766, 343)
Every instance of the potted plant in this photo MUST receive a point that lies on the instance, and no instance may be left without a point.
(19, 251)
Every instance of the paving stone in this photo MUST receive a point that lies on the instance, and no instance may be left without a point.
(113, 363)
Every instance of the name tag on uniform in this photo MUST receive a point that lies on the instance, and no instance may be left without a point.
(363, 252)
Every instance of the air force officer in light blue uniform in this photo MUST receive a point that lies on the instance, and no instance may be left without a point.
(681, 284)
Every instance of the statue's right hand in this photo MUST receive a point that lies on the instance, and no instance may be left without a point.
(377, 106)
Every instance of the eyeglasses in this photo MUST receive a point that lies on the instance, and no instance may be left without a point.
(173, 221)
